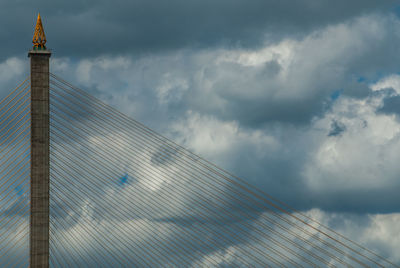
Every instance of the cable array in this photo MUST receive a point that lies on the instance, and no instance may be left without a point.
(123, 195)
(14, 177)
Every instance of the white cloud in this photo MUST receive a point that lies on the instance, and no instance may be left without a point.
(391, 81)
(208, 99)
(383, 233)
(12, 72)
(286, 79)
(377, 232)
(171, 89)
(11, 68)
(224, 105)
(364, 155)
(220, 140)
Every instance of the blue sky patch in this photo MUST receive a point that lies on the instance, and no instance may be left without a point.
(336, 94)
(361, 79)
(19, 190)
(123, 180)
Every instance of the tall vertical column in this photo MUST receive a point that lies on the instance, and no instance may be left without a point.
(40, 149)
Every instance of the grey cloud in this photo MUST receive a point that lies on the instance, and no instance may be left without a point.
(162, 89)
(336, 128)
(159, 89)
(391, 105)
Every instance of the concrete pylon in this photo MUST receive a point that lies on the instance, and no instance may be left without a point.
(40, 151)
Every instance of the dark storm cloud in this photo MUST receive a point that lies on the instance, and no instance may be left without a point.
(89, 28)
(325, 69)
(168, 61)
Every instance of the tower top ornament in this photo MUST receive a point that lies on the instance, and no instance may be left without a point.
(39, 38)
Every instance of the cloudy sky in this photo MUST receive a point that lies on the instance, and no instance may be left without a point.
(300, 98)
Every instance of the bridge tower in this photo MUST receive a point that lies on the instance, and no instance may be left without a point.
(40, 149)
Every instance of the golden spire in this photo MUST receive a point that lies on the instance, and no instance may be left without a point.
(39, 38)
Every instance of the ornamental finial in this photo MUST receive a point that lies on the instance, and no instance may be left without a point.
(39, 38)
